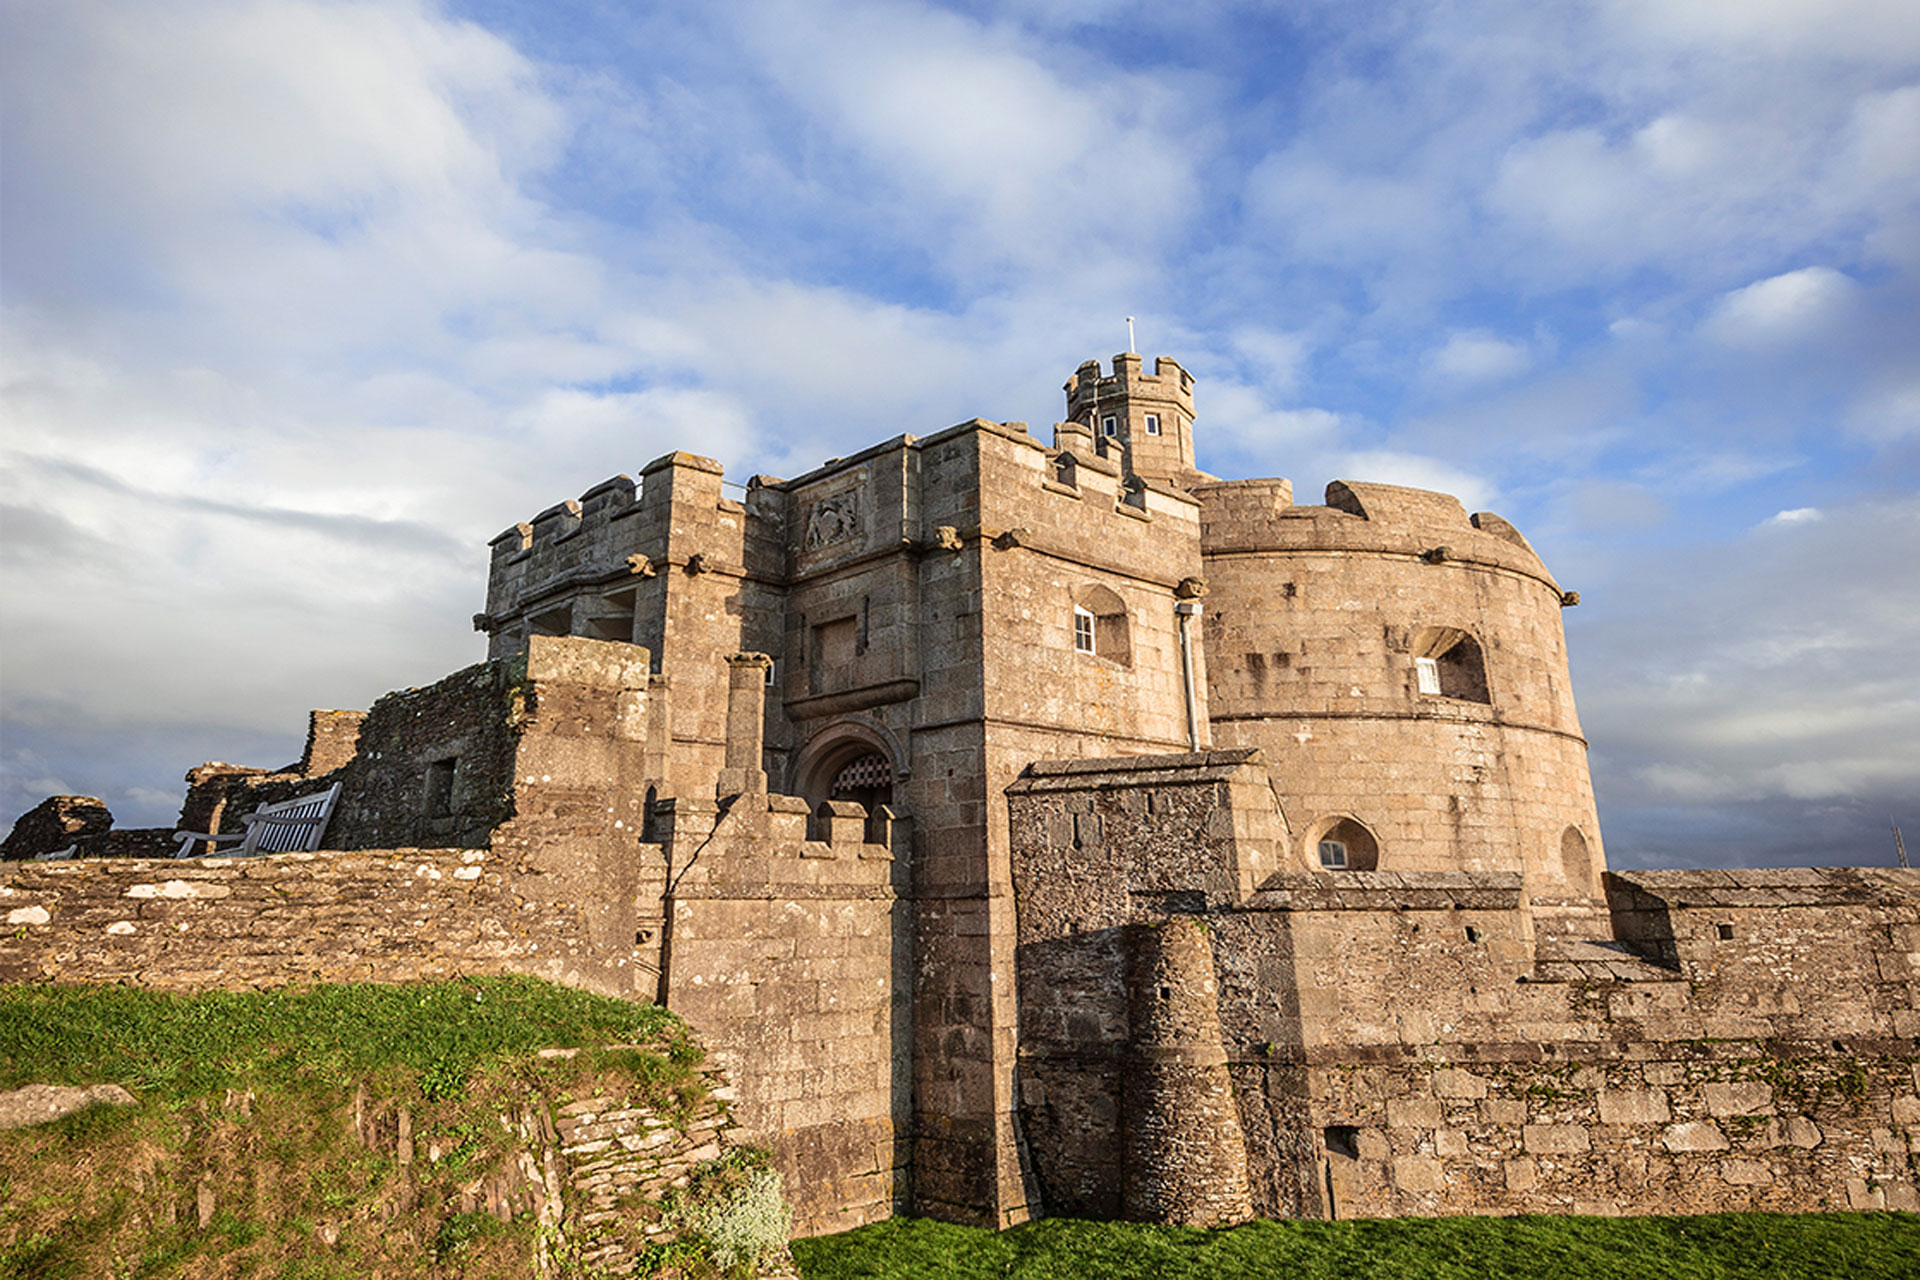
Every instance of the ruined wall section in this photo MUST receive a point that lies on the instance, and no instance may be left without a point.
(1316, 625)
(1099, 848)
(792, 955)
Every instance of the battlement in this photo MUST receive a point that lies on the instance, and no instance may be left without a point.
(1260, 515)
(1089, 386)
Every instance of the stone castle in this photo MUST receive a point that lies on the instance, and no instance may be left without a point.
(1057, 829)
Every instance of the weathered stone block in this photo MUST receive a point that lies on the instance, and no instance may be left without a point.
(1555, 1139)
(1634, 1106)
(1453, 1083)
(1419, 1173)
(1694, 1135)
(1745, 1173)
(1415, 1113)
(1739, 1098)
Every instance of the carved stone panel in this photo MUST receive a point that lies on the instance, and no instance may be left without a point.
(833, 520)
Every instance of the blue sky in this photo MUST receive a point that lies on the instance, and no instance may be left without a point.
(302, 302)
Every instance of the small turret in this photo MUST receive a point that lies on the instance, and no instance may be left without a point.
(1142, 421)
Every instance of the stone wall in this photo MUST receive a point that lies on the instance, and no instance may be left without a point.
(1317, 619)
(1403, 1043)
(207, 923)
(791, 956)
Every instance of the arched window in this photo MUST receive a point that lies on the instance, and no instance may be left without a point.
(1576, 861)
(1100, 625)
(1342, 843)
(1448, 663)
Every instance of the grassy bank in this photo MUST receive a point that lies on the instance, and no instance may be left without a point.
(329, 1132)
(1736, 1246)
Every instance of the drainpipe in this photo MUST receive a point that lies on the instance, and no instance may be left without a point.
(1186, 611)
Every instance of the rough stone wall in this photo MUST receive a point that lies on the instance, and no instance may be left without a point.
(332, 739)
(208, 923)
(1316, 618)
(1099, 846)
(791, 956)
(435, 765)
(1186, 1160)
(1406, 1043)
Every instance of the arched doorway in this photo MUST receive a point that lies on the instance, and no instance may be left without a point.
(866, 779)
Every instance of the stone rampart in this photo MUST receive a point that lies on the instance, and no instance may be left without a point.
(208, 923)
(1405, 1043)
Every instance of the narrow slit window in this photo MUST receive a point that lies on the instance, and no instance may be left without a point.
(439, 799)
(1153, 424)
(1333, 855)
(1082, 630)
(1109, 427)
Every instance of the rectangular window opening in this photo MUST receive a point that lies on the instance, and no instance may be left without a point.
(440, 787)
(1109, 427)
(1344, 1140)
(1333, 855)
(1428, 670)
(1083, 630)
(1724, 932)
(1153, 424)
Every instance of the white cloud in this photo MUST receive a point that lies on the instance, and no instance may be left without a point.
(1769, 669)
(1887, 413)
(1867, 29)
(1476, 356)
(999, 158)
(1476, 492)
(1791, 307)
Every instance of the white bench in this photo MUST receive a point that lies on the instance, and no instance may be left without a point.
(290, 826)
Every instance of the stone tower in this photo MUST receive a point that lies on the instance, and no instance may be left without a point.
(1142, 421)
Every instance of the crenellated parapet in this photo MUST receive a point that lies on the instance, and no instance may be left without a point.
(1143, 420)
(1242, 516)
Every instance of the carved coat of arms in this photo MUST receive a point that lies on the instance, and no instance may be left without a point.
(832, 520)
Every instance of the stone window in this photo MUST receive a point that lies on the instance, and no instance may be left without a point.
(1448, 663)
(1100, 625)
(1339, 842)
(554, 622)
(612, 617)
(1153, 424)
(1110, 426)
(832, 648)
(1576, 864)
(439, 796)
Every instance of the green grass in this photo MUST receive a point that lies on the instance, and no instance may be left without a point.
(287, 1106)
(1734, 1246)
(173, 1047)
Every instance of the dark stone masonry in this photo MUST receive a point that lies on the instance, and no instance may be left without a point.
(1053, 828)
